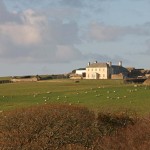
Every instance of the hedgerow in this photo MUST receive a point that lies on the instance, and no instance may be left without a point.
(47, 127)
(66, 127)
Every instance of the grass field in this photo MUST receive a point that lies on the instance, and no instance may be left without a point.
(106, 95)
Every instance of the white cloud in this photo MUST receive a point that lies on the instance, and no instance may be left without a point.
(6, 16)
(101, 32)
(67, 53)
(20, 34)
(73, 3)
(32, 37)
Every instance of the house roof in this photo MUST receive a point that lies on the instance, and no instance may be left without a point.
(81, 69)
(97, 65)
(119, 69)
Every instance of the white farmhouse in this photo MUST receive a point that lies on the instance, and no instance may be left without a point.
(105, 71)
(98, 71)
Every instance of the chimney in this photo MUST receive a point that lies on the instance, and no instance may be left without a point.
(89, 63)
(120, 63)
(95, 62)
(109, 63)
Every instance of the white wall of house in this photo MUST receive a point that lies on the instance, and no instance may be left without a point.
(97, 73)
(80, 72)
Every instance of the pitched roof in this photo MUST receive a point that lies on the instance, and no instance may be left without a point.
(97, 65)
(81, 69)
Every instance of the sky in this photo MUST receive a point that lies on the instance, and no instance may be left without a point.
(58, 36)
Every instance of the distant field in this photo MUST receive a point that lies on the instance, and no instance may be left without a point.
(103, 95)
(5, 78)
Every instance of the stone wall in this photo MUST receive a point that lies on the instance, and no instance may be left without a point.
(34, 79)
(117, 76)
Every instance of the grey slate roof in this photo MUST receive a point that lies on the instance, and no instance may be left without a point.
(119, 69)
(97, 65)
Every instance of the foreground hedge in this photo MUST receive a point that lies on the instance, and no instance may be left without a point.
(70, 127)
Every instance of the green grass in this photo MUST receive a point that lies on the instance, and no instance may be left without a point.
(103, 95)
(5, 78)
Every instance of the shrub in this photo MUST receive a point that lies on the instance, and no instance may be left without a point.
(132, 137)
(72, 128)
(109, 123)
(47, 127)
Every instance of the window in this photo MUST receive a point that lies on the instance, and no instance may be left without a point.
(103, 69)
(99, 69)
(103, 75)
(95, 69)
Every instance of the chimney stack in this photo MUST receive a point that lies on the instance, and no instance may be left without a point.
(89, 63)
(109, 63)
(120, 63)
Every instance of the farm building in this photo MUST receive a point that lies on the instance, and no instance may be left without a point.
(147, 82)
(25, 79)
(98, 70)
(81, 71)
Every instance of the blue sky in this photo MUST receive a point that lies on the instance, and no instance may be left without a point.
(57, 36)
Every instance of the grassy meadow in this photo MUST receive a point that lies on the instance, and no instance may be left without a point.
(105, 95)
(92, 114)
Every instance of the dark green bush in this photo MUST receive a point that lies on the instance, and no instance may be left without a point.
(109, 123)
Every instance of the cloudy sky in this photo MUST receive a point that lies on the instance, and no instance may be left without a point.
(57, 36)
